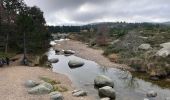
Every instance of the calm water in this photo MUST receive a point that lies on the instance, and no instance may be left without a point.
(127, 87)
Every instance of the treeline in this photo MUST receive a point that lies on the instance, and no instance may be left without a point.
(22, 24)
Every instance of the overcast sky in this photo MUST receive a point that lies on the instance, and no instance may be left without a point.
(76, 12)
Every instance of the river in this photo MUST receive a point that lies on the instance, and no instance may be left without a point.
(127, 87)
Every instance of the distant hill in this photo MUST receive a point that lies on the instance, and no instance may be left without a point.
(167, 23)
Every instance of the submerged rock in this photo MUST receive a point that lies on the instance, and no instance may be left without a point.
(107, 91)
(102, 80)
(53, 60)
(75, 63)
(151, 94)
(78, 93)
(56, 96)
(43, 88)
(31, 83)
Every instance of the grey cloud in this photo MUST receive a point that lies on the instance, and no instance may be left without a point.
(59, 12)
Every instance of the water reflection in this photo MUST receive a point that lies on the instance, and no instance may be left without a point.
(127, 86)
(103, 69)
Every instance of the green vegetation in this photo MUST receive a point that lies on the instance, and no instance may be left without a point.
(60, 88)
(48, 80)
(56, 84)
(22, 28)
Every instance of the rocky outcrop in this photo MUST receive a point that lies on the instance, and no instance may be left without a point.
(165, 51)
(53, 60)
(107, 91)
(145, 46)
(43, 88)
(102, 80)
(31, 83)
(56, 96)
(75, 63)
(79, 93)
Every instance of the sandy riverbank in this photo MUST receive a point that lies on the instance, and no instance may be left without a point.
(83, 51)
(12, 79)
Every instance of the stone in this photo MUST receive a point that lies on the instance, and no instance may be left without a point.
(56, 96)
(107, 91)
(145, 99)
(105, 98)
(31, 83)
(75, 63)
(53, 60)
(43, 88)
(165, 51)
(57, 51)
(69, 52)
(145, 46)
(151, 94)
(79, 93)
(102, 80)
(167, 98)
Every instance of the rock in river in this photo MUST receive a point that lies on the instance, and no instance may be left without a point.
(56, 96)
(53, 60)
(102, 80)
(107, 91)
(43, 88)
(151, 94)
(75, 63)
(31, 83)
(69, 52)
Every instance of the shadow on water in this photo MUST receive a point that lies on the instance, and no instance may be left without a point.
(127, 86)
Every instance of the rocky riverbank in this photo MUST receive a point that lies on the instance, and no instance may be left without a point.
(83, 51)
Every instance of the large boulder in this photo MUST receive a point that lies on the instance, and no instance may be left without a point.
(56, 96)
(75, 63)
(107, 91)
(102, 80)
(31, 83)
(43, 88)
(145, 46)
(79, 93)
(151, 94)
(53, 60)
(165, 51)
(69, 52)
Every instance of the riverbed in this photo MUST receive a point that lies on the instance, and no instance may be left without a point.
(127, 87)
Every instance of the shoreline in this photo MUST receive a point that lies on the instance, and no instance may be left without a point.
(13, 78)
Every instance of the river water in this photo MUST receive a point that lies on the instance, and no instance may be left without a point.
(127, 87)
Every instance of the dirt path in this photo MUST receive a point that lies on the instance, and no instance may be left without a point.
(12, 81)
(83, 51)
